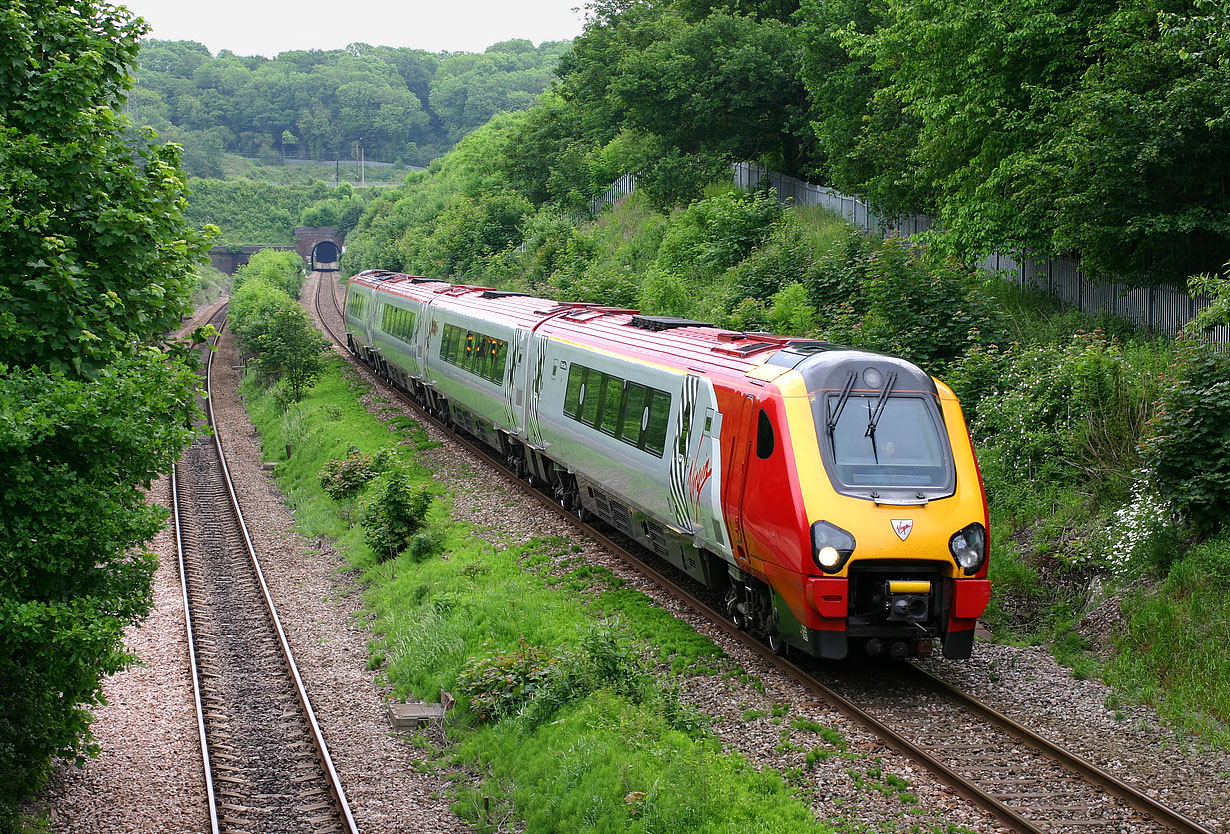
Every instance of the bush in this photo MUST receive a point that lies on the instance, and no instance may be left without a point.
(498, 684)
(907, 303)
(343, 477)
(1188, 447)
(395, 513)
(1069, 413)
(289, 350)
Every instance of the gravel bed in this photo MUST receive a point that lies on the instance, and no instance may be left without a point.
(1130, 742)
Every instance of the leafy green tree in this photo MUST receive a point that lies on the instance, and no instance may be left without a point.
(95, 239)
(288, 349)
(99, 264)
(74, 456)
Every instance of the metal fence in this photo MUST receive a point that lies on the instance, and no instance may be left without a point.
(1161, 309)
(619, 189)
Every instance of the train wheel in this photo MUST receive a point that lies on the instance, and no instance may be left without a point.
(776, 644)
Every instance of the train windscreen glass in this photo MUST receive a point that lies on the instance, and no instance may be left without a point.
(884, 442)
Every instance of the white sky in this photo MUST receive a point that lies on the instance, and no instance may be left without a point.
(267, 27)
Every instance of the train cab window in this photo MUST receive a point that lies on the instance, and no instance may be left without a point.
(612, 399)
(659, 415)
(636, 414)
(765, 440)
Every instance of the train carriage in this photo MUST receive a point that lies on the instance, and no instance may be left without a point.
(831, 494)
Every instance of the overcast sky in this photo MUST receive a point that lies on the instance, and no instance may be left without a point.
(267, 27)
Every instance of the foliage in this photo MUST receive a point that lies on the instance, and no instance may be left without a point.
(394, 513)
(1187, 448)
(1217, 312)
(288, 349)
(94, 233)
(74, 456)
(253, 213)
(1072, 412)
(499, 683)
(1170, 650)
(99, 265)
(283, 270)
(401, 104)
(343, 477)
(895, 298)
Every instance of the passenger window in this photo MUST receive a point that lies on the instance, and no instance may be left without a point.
(576, 383)
(765, 440)
(659, 416)
(612, 399)
(593, 396)
(634, 414)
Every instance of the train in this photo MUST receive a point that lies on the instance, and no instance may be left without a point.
(830, 496)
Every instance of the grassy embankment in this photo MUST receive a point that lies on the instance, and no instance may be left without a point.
(583, 730)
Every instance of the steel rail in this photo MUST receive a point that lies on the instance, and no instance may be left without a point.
(210, 794)
(1006, 815)
(318, 739)
(1064, 757)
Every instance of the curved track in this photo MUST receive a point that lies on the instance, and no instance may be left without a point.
(1026, 782)
(267, 767)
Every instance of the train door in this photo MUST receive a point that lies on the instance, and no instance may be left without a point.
(735, 475)
(696, 473)
(516, 383)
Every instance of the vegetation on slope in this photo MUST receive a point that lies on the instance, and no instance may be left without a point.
(403, 105)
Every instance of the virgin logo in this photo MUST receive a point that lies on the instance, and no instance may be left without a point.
(902, 527)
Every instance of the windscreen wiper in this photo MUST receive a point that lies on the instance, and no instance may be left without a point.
(835, 414)
(874, 417)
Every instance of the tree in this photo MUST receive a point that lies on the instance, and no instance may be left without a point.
(98, 264)
(95, 248)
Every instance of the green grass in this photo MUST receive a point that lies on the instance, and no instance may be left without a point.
(1174, 653)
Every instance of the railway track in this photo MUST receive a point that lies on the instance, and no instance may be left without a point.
(1026, 782)
(267, 768)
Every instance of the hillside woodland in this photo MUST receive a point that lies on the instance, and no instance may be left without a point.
(401, 105)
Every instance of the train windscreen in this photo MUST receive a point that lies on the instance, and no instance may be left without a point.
(894, 441)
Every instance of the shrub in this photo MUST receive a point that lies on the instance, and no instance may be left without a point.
(501, 682)
(1071, 412)
(394, 514)
(343, 477)
(1188, 447)
(910, 304)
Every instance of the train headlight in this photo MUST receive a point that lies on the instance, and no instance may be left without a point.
(831, 546)
(969, 548)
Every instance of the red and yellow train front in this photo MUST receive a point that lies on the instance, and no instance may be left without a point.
(867, 516)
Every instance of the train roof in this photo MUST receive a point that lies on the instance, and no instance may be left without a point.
(678, 343)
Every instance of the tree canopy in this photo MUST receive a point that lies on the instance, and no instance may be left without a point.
(1095, 129)
(404, 105)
